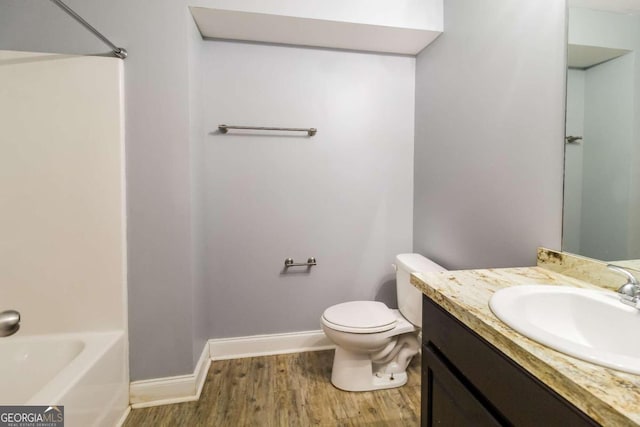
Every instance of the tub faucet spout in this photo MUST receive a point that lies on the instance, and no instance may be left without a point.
(9, 322)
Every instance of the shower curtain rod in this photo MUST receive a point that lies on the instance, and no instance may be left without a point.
(120, 52)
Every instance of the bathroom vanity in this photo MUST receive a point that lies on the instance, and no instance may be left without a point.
(478, 371)
(467, 381)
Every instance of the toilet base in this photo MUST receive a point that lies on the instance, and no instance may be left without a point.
(353, 372)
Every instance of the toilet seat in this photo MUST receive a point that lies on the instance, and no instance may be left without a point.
(360, 317)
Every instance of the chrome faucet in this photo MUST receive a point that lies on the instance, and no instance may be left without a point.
(9, 322)
(630, 291)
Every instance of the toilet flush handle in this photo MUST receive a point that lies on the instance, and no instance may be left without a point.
(395, 267)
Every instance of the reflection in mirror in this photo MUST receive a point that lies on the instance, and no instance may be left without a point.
(602, 156)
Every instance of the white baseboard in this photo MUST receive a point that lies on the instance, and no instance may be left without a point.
(163, 391)
(264, 345)
(124, 416)
(186, 388)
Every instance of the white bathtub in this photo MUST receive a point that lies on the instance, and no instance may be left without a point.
(85, 372)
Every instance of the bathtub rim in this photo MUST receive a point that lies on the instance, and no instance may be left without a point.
(96, 345)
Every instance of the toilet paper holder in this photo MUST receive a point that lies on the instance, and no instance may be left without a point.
(289, 262)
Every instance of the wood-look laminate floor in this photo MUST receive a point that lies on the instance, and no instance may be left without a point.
(286, 390)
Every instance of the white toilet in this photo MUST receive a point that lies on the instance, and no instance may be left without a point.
(374, 344)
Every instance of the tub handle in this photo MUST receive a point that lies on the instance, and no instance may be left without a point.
(9, 322)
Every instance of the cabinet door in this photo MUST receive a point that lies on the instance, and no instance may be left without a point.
(446, 401)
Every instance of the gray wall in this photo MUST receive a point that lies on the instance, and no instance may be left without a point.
(634, 194)
(201, 306)
(161, 251)
(172, 310)
(489, 134)
(572, 212)
(611, 185)
(344, 196)
(488, 147)
(608, 133)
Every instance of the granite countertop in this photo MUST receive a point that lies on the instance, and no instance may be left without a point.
(610, 397)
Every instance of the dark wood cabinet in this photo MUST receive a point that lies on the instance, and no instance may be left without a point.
(450, 402)
(468, 382)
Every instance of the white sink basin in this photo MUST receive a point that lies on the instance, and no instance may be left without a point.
(588, 324)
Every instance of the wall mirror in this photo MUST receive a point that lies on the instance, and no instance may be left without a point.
(601, 215)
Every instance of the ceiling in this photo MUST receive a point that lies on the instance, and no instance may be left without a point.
(583, 57)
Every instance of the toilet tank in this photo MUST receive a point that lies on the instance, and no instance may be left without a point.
(410, 298)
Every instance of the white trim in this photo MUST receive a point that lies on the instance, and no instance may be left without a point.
(163, 391)
(187, 388)
(124, 416)
(264, 345)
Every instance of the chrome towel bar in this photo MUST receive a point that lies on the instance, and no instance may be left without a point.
(225, 129)
(289, 262)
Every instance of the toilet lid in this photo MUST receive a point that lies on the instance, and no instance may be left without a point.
(360, 316)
